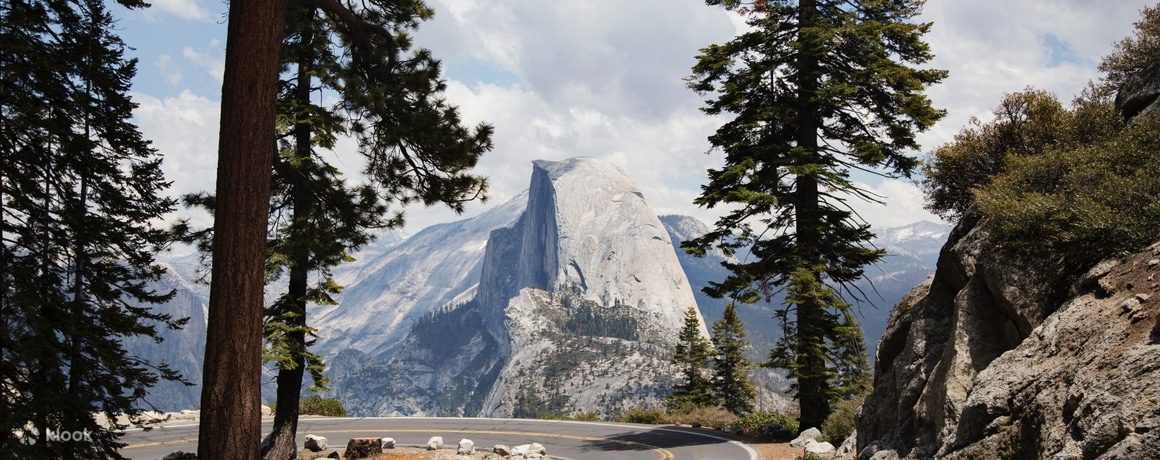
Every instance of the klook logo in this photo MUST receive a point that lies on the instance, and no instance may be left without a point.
(31, 436)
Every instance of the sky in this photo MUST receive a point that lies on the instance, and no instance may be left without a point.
(603, 79)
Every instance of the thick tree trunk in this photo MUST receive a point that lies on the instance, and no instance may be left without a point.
(812, 382)
(231, 416)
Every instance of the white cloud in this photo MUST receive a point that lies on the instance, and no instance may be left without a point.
(993, 47)
(612, 56)
(170, 72)
(603, 78)
(184, 129)
(210, 59)
(186, 9)
(904, 204)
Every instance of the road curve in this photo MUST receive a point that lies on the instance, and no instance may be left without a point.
(563, 439)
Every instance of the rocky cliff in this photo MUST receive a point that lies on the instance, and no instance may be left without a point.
(181, 349)
(1004, 356)
(396, 281)
(597, 300)
(576, 309)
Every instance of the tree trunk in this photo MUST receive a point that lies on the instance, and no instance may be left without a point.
(231, 416)
(281, 443)
(810, 351)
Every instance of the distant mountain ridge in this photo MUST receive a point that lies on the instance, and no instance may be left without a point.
(912, 254)
(414, 304)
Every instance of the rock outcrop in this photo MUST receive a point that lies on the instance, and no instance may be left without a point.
(592, 294)
(588, 226)
(181, 349)
(395, 282)
(1140, 93)
(1001, 356)
(577, 306)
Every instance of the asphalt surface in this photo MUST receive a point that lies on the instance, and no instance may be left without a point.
(563, 439)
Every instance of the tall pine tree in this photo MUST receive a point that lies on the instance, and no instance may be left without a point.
(415, 149)
(78, 187)
(815, 88)
(731, 368)
(692, 355)
(231, 420)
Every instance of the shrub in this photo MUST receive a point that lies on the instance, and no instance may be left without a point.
(317, 405)
(709, 417)
(1087, 203)
(646, 415)
(811, 456)
(1026, 123)
(578, 416)
(767, 424)
(840, 424)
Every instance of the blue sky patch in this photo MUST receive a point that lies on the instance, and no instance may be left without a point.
(472, 70)
(1059, 51)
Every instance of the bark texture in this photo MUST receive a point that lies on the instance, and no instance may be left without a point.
(231, 392)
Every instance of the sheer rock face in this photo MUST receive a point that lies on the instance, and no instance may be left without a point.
(1140, 94)
(181, 349)
(394, 282)
(587, 231)
(996, 357)
(588, 226)
(587, 244)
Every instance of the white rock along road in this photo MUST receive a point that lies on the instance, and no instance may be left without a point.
(563, 439)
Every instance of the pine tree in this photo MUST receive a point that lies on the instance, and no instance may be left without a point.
(416, 150)
(231, 419)
(78, 187)
(731, 368)
(816, 88)
(692, 356)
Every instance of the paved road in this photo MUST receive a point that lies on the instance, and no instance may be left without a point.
(569, 440)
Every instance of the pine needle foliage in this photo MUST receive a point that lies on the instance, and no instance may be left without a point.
(79, 187)
(389, 98)
(731, 368)
(815, 89)
(692, 356)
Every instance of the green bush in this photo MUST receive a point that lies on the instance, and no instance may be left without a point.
(767, 424)
(1085, 203)
(646, 415)
(578, 416)
(810, 456)
(317, 405)
(1029, 123)
(840, 424)
(701, 416)
(1026, 123)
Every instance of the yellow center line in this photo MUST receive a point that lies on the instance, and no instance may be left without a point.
(664, 453)
(159, 443)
